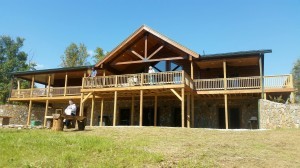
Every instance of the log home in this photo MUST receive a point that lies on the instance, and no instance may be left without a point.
(187, 89)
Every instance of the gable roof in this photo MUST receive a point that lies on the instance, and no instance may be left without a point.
(142, 30)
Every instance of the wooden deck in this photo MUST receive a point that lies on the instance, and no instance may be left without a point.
(158, 82)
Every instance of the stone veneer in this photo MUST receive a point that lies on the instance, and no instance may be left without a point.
(206, 111)
(278, 115)
(19, 113)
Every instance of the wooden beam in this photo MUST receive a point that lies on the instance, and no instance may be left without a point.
(188, 104)
(156, 51)
(226, 111)
(101, 112)
(115, 108)
(132, 111)
(19, 87)
(48, 87)
(146, 46)
(82, 96)
(92, 110)
(155, 110)
(29, 112)
(225, 75)
(182, 108)
(87, 96)
(193, 111)
(32, 84)
(147, 60)
(66, 84)
(46, 112)
(176, 94)
(261, 76)
(192, 70)
(141, 107)
(137, 54)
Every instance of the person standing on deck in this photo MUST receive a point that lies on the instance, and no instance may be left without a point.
(151, 70)
(92, 75)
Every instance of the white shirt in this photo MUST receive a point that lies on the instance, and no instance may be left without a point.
(151, 71)
(71, 109)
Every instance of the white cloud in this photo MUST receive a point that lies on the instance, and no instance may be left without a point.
(40, 66)
(91, 52)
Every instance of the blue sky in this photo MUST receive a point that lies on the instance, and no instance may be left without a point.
(212, 25)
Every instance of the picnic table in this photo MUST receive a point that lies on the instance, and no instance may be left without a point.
(58, 124)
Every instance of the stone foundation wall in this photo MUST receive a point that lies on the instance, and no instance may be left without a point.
(278, 115)
(207, 111)
(19, 113)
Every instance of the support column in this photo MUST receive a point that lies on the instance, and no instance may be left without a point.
(19, 87)
(132, 111)
(193, 111)
(82, 94)
(66, 84)
(155, 110)
(46, 112)
(29, 112)
(225, 75)
(32, 84)
(101, 112)
(115, 108)
(141, 107)
(261, 72)
(226, 111)
(192, 68)
(188, 105)
(92, 110)
(182, 107)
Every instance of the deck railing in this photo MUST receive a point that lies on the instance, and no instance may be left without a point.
(253, 82)
(141, 79)
(42, 92)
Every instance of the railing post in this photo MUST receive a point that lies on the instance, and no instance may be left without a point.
(183, 77)
(142, 79)
(116, 81)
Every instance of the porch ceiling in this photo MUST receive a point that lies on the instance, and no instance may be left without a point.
(218, 63)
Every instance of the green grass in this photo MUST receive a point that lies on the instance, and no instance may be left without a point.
(149, 147)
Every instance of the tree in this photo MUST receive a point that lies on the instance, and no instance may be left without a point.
(75, 56)
(99, 54)
(11, 60)
(296, 75)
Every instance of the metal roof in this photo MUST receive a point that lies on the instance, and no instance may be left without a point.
(44, 71)
(239, 53)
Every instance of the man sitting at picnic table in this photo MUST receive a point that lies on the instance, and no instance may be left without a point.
(70, 110)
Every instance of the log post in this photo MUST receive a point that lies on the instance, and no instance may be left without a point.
(226, 110)
(115, 108)
(141, 107)
(29, 112)
(182, 107)
(101, 112)
(32, 85)
(92, 110)
(66, 84)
